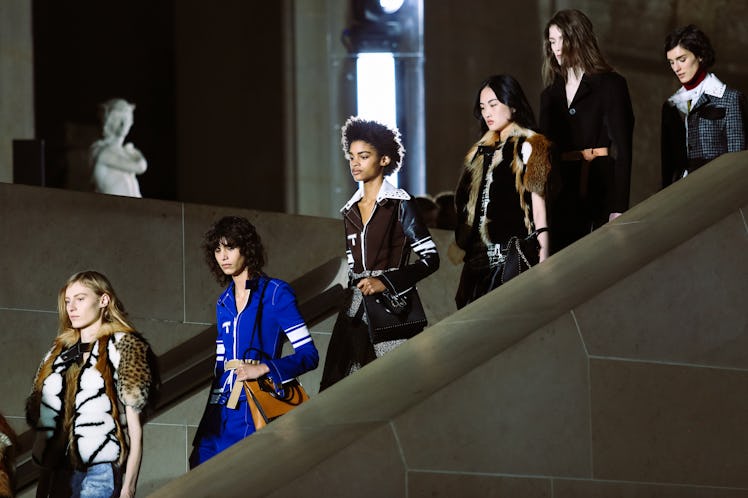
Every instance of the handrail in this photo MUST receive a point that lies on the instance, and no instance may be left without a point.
(189, 366)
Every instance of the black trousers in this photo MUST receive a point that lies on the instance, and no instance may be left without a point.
(584, 201)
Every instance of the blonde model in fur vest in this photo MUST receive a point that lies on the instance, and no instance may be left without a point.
(8, 444)
(88, 395)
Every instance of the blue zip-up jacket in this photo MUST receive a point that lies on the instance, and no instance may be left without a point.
(280, 320)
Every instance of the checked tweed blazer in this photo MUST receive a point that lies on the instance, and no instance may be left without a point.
(715, 125)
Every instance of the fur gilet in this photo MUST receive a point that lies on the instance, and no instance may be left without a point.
(8, 443)
(510, 179)
(81, 406)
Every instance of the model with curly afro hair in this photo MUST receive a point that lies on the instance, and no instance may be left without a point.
(383, 227)
(384, 139)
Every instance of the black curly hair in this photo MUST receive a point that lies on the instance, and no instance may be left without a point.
(234, 231)
(693, 39)
(384, 139)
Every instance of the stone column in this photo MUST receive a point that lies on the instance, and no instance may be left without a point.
(16, 80)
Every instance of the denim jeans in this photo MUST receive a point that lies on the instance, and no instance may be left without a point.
(97, 481)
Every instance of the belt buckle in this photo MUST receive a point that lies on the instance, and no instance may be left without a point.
(218, 398)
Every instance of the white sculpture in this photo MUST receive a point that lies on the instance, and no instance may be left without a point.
(116, 163)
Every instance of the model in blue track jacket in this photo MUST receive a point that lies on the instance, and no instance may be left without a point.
(242, 336)
(255, 315)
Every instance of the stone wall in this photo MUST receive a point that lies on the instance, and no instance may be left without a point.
(150, 250)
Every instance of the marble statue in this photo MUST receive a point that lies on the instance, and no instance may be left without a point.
(114, 162)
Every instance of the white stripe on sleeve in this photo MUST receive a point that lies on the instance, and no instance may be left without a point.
(299, 336)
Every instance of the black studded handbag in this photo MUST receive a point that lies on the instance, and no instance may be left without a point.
(394, 316)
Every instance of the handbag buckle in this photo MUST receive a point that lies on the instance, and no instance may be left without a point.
(394, 303)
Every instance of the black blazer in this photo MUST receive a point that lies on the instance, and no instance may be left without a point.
(601, 115)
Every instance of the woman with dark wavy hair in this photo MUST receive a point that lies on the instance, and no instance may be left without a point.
(501, 192)
(585, 110)
(255, 315)
(704, 118)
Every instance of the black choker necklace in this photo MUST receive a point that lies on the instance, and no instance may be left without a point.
(74, 354)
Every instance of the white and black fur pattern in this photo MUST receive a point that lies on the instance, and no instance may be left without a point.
(96, 417)
(94, 427)
(53, 392)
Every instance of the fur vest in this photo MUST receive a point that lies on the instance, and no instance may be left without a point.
(8, 445)
(519, 166)
(77, 408)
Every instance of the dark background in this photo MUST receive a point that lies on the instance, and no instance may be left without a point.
(206, 81)
(87, 52)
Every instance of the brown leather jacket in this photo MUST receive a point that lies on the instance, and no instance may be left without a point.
(386, 241)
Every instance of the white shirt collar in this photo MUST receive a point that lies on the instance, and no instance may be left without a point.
(386, 191)
(713, 86)
(710, 86)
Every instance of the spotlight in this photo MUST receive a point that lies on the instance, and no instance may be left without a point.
(376, 10)
(390, 6)
(385, 38)
(376, 26)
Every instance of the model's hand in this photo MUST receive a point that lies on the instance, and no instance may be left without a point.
(127, 493)
(589, 154)
(613, 216)
(248, 371)
(455, 254)
(370, 285)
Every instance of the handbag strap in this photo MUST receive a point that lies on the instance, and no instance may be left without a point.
(235, 363)
(257, 325)
(534, 234)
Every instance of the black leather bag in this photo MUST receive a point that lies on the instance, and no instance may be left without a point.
(520, 255)
(393, 317)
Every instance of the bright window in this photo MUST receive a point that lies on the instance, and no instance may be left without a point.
(375, 93)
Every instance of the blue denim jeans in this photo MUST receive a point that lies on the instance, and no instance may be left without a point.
(97, 481)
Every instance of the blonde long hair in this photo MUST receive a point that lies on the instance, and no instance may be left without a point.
(113, 318)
